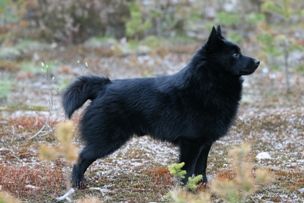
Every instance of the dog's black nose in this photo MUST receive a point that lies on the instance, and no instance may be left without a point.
(257, 63)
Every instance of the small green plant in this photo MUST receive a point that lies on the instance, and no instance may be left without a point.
(193, 182)
(182, 195)
(177, 171)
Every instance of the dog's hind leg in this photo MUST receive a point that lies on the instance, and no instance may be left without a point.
(189, 152)
(201, 163)
(85, 159)
(88, 155)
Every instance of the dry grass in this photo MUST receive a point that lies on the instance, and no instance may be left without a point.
(31, 182)
(148, 185)
(139, 188)
(275, 121)
(30, 123)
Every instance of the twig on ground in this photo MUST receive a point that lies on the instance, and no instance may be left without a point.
(66, 196)
(42, 131)
(12, 152)
(101, 190)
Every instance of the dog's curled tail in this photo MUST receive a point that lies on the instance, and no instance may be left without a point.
(84, 88)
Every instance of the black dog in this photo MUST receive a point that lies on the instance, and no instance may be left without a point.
(192, 108)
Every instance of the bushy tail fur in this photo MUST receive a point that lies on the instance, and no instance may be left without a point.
(84, 88)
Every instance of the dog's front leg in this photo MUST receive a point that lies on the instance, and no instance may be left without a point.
(189, 153)
(201, 163)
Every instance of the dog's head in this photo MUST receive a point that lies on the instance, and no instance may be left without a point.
(226, 56)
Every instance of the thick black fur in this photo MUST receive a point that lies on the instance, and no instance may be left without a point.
(192, 108)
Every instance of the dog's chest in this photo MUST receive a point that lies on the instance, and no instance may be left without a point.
(214, 115)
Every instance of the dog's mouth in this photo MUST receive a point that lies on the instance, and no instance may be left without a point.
(248, 71)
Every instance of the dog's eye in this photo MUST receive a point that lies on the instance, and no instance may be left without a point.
(236, 55)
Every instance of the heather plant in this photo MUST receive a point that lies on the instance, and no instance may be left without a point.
(177, 171)
(193, 182)
(64, 134)
(245, 182)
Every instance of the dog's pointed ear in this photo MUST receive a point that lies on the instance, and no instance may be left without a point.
(213, 33)
(214, 39)
(219, 31)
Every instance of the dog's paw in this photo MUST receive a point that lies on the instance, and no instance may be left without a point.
(204, 184)
(77, 179)
(78, 183)
(184, 181)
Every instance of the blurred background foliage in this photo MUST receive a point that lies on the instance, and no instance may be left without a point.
(272, 29)
(73, 21)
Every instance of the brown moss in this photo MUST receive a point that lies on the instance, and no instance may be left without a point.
(291, 180)
(30, 183)
(149, 185)
(30, 123)
(226, 175)
(160, 175)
